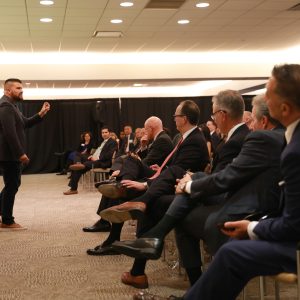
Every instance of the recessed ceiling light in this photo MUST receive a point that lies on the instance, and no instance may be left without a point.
(202, 4)
(116, 21)
(46, 2)
(46, 20)
(126, 4)
(183, 22)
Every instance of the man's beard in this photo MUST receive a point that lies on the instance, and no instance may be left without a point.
(18, 98)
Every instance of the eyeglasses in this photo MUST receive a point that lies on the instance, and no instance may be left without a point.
(220, 110)
(174, 116)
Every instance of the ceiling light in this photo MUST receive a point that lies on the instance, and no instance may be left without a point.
(46, 20)
(183, 22)
(116, 21)
(126, 4)
(46, 2)
(202, 4)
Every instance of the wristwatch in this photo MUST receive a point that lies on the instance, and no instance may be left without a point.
(182, 186)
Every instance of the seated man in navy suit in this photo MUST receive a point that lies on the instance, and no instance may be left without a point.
(266, 247)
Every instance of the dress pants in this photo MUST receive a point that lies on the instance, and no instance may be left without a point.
(237, 262)
(134, 169)
(12, 181)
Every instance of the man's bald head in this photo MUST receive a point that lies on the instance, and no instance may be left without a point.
(153, 126)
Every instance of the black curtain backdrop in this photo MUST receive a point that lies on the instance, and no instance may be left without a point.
(61, 128)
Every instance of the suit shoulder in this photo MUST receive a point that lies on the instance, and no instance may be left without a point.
(266, 134)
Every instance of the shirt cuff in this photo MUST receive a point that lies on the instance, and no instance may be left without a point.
(188, 187)
(145, 185)
(250, 230)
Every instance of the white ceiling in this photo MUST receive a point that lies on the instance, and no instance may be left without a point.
(238, 40)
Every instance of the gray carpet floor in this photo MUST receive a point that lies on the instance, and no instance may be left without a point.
(49, 261)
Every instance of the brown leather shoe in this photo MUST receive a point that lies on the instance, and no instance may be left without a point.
(139, 282)
(144, 295)
(71, 192)
(113, 190)
(11, 227)
(77, 167)
(123, 212)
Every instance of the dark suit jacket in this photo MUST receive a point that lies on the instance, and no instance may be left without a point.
(192, 154)
(250, 183)
(123, 145)
(228, 151)
(215, 140)
(12, 133)
(107, 152)
(158, 150)
(286, 227)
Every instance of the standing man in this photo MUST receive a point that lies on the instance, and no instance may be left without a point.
(12, 147)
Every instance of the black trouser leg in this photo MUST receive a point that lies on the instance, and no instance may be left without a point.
(12, 181)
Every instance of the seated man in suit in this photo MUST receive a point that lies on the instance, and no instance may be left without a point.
(126, 143)
(191, 153)
(102, 158)
(267, 247)
(215, 137)
(160, 145)
(246, 189)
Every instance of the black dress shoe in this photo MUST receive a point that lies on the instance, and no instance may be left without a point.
(101, 251)
(149, 248)
(97, 228)
(110, 180)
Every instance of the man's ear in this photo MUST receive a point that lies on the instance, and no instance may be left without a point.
(265, 122)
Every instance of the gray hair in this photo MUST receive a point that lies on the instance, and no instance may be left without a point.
(232, 102)
(261, 109)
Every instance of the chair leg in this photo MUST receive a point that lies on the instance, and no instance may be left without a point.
(244, 294)
(261, 287)
(277, 294)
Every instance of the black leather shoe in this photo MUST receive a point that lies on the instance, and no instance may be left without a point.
(149, 248)
(113, 190)
(98, 228)
(111, 180)
(101, 251)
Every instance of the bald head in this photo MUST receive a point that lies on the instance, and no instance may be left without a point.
(153, 126)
